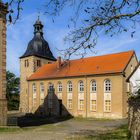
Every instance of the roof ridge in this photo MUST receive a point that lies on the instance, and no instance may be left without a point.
(102, 55)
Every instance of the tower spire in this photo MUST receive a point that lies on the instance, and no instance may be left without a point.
(38, 27)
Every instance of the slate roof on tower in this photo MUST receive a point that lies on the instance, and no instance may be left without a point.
(38, 46)
(105, 64)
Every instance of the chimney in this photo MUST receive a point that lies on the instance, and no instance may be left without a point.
(58, 62)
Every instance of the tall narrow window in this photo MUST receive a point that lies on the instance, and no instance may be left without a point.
(38, 63)
(93, 105)
(107, 106)
(107, 86)
(81, 104)
(69, 104)
(81, 86)
(26, 63)
(41, 88)
(93, 86)
(59, 88)
(69, 86)
(34, 88)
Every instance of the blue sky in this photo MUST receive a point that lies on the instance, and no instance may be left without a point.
(21, 33)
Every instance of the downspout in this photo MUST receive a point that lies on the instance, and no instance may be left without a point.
(86, 96)
(28, 95)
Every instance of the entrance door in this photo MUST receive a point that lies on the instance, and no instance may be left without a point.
(60, 107)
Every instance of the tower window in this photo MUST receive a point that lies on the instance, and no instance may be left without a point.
(26, 63)
(38, 63)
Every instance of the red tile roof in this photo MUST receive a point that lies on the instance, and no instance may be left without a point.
(105, 64)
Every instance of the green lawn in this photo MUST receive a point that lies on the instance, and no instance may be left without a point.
(117, 134)
(10, 129)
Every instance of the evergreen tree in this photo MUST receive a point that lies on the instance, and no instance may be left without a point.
(12, 91)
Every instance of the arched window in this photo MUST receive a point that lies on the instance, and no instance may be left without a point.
(34, 88)
(41, 87)
(107, 85)
(50, 87)
(69, 86)
(81, 86)
(93, 86)
(59, 87)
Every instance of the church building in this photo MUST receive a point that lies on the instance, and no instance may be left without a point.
(87, 87)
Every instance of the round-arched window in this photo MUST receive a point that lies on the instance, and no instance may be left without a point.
(107, 85)
(80, 86)
(69, 86)
(93, 86)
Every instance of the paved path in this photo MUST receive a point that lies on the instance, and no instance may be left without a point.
(62, 130)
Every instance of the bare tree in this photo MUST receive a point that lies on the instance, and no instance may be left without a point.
(14, 10)
(110, 16)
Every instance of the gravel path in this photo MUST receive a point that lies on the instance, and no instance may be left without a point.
(62, 130)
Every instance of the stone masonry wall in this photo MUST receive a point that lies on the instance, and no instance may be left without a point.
(3, 101)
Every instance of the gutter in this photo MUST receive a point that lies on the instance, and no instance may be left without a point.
(115, 73)
(86, 97)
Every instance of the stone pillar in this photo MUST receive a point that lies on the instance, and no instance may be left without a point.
(3, 101)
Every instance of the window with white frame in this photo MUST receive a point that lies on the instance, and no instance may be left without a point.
(34, 88)
(80, 86)
(93, 105)
(69, 86)
(93, 86)
(81, 104)
(59, 88)
(107, 86)
(107, 107)
(69, 103)
(41, 88)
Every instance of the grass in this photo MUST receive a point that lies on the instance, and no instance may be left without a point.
(120, 133)
(91, 119)
(12, 129)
